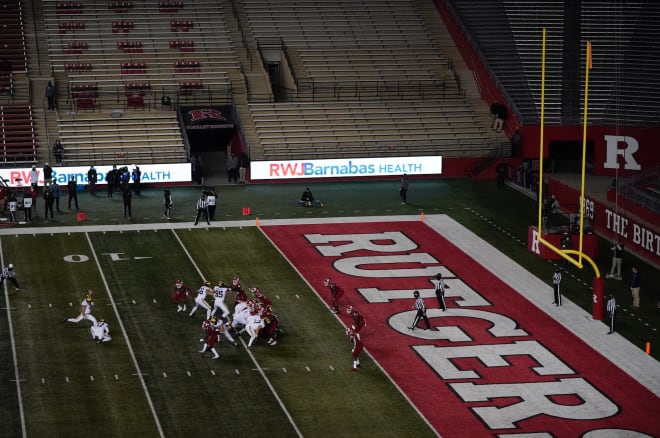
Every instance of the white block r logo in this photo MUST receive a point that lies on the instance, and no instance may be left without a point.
(612, 150)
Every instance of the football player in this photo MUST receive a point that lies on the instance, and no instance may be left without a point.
(335, 293)
(358, 320)
(180, 294)
(241, 313)
(85, 310)
(272, 322)
(260, 297)
(210, 339)
(356, 347)
(255, 324)
(236, 284)
(200, 299)
(220, 291)
(100, 331)
(221, 328)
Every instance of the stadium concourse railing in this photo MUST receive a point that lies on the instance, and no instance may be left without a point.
(150, 98)
(643, 189)
(310, 90)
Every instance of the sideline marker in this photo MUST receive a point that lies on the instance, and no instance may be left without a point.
(648, 348)
(421, 217)
(256, 221)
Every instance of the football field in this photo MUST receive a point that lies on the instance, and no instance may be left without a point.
(500, 361)
(150, 380)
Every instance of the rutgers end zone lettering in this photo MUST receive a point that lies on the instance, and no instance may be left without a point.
(476, 350)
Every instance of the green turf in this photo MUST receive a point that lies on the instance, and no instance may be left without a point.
(195, 396)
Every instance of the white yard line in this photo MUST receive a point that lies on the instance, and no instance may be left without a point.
(13, 351)
(138, 371)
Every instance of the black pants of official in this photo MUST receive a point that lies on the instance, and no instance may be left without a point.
(419, 316)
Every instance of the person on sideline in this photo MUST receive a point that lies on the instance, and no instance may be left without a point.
(167, 197)
(58, 151)
(403, 189)
(635, 284)
(617, 256)
(556, 283)
(611, 312)
(202, 210)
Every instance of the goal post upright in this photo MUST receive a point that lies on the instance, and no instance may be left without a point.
(566, 254)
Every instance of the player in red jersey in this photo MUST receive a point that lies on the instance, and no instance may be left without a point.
(356, 349)
(180, 293)
(336, 293)
(260, 297)
(358, 320)
(210, 338)
(272, 322)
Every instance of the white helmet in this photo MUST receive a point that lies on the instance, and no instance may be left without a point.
(10, 266)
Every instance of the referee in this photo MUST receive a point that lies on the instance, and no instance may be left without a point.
(440, 292)
(421, 312)
(202, 209)
(611, 311)
(556, 282)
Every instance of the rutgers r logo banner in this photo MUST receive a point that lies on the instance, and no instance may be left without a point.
(621, 146)
(494, 363)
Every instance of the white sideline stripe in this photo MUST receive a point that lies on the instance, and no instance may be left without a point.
(254, 360)
(365, 350)
(128, 342)
(14, 356)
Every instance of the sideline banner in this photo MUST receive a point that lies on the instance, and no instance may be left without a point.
(345, 168)
(151, 173)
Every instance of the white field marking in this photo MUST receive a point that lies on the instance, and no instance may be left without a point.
(50, 305)
(29, 306)
(272, 389)
(212, 372)
(154, 300)
(14, 356)
(188, 372)
(284, 370)
(43, 380)
(91, 378)
(165, 375)
(331, 367)
(308, 369)
(236, 371)
(128, 342)
(66, 379)
(116, 377)
(133, 301)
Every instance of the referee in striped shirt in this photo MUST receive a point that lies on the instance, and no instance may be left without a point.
(202, 209)
(556, 282)
(421, 312)
(611, 311)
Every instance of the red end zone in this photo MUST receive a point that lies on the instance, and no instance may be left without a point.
(493, 363)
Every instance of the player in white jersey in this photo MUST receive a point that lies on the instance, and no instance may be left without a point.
(221, 328)
(85, 310)
(255, 324)
(200, 299)
(241, 314)
(220, 292)
(100, 331)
